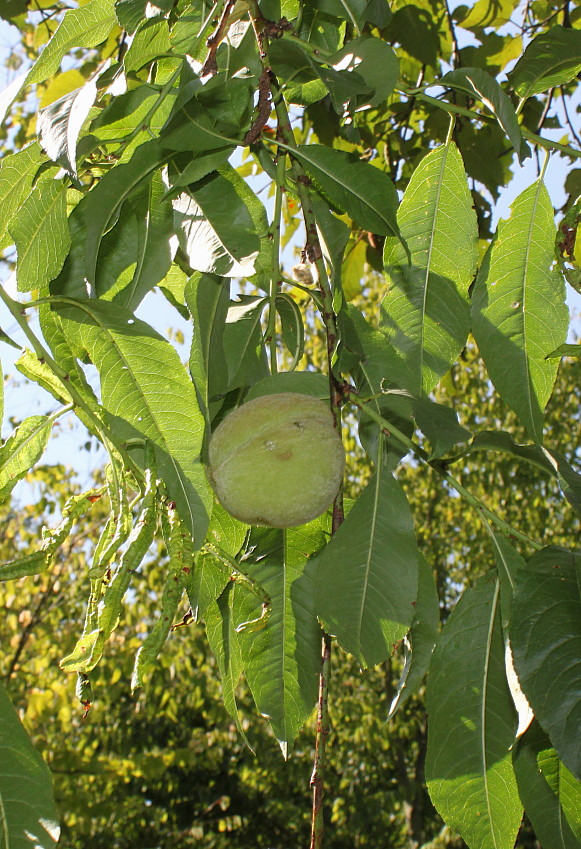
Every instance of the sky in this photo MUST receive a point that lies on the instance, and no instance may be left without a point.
(23, 400)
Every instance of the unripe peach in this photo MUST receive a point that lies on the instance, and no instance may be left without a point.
(277, 460)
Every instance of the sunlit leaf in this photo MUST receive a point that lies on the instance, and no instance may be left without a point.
(553, 58)
(518, 308)
(472, 724)
(22, 450)
(367, 576)
(59, 125)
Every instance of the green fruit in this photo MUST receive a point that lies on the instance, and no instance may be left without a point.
(277, 460)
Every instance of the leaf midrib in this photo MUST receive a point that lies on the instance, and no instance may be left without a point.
(483, 723)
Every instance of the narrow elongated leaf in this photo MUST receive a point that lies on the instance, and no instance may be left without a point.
(16, 177)
(547, 789)
(224, 642)
(293, 330)
(10, 93)
(364, 192)
(103, 203)
(282, 659)
(243, 345)
(220, 225)
(154, 255)
(425, 313)
(376, 64)
(553, 58)
(367, 576)
(206, 296)
(545, 634)
(22, 450)
(477, 83)
(422, 638)
(147, 394)
(59, 125)
(472, 724)
(518, 308)
(41, 235)
(29, 817)
(84, 27)
(149, 42)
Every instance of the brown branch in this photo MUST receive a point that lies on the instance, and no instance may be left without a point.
(263, 107)
(210, 65)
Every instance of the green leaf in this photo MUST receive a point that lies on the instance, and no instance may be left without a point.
(149, 42)
(545, 635)
(425, 313)
(29, 815)
(477, 83)
(153, 253)
(22, 450)
(83, 27)
(376, 64)
(34, 369)
(220, 223)
(364, 192)
(551, 59)
(422, 638)
(41, 235)
(518, 308)
(102, 205)
(293, 330)
(224, 642)
(127, 112)
(60, 123)
(566, 351)
(472, 724)
(211, 116)
(547, 789)
(206, 296)
(243, 345)
(440, 424)
(17, 175)
(282, 659)
(147, 395)
(367, 576)
(486, 14)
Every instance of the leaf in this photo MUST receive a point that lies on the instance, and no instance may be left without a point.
(547, 788)
(545, 634)
(29, 815)
(41, 235)
(565, 351)
(422, 637)
(243, 345)
(484, 13)
(293, 330)
(103, 203)
(59, 125)
(425, 313)
(206, 296)
(17, 175)
(282, 659)
(22, 450)
(154, 254)
(149, 42)
(375, 62)
(219, 224)
(476, 82)
(472, 724)
(10, 93)
(83, 27)
(440, 424)
(364, 192)
(551, 59)
(147, 395)
(518, 308)
(367, 576)
(224, 642)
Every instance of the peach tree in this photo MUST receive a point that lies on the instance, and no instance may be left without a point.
(190, 148)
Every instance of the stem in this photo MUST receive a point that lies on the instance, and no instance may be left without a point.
(275, 275)
(314, 254)
(389, 428)
(322, 733)
(548, 144)
(107, 437)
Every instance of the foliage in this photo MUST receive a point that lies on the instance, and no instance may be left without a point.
(143, 171)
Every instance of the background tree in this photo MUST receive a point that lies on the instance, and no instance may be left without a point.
(392, 160)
